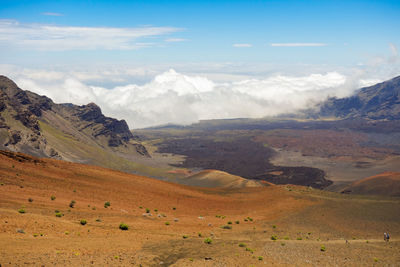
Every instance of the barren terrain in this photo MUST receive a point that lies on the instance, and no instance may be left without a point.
(169, 223)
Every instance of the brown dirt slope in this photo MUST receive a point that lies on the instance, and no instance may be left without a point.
(168, 223)
(386, 184)
(215, 178)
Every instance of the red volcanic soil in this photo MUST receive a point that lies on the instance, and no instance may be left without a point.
(385, 184)
(168, 223)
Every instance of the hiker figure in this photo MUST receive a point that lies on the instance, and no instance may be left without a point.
(384, 236)
(387, 237)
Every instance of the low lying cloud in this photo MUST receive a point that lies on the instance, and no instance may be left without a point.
(242, 45)
(298, 44)
(173, 97)
(61, 38)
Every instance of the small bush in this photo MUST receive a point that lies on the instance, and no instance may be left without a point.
(140, 207)
(242, 245)
(167, 223)
(376, 259)
(229, 222)
(155, 210)
(274, 237)
(123, 226)
(147, 210)
(185, 236)
(72, 203)
(208, 240)
(249, 249)
(228, 227)
(283, 244)
(52, 197)
(174, 208)
(83, 222)
(286, 238)
(200, 234)
(323, 248)
(299, 238)
(21, 210)
(237, 222)
(30, 199)
(66, 232)
(246, 220)
(35, 235)
(274, 226)
(107, 204)
(260, 258)
(59, 214)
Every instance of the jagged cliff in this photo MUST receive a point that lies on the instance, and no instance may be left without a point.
(35, 125)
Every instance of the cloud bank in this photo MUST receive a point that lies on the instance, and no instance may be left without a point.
(61, 38)
(173, 97)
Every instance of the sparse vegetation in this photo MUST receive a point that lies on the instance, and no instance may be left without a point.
(274, 226)
(242, 245)
(229, 222)
(167, 223)
(174, 208)
(260, 258)
(21, 210)
(286, 237)
(52, 197)
(249, 249)
(226, 227)
(237, 222)
(59, 214)
(200, 234)
(72, 203)
(30, 199)
(107, 204)
(299, 238)
(185, 236)
(83, 222)
(323, 248)
(274, 237)
(283, 244)
(208, 240)
(147, 210)
(123, 226)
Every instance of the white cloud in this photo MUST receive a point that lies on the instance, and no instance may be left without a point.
(61, 38)
(242, 45)
(173, 97)
(175, 40)
(54, 14)
(297, 44)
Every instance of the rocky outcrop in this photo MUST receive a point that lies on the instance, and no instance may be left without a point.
(28, 108)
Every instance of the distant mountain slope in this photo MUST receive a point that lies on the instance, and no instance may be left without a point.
(380, 101)
(385, 184)
(34, 124)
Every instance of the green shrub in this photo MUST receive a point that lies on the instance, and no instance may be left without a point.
(274, 237)
(174, 208)
(226, 227)
(59, 214)
(72, 203)
(208, 240)
(155, 210)
(274, 226)
(35, 235)
(237, 222)
(52, 197)
(249, 249)
(242, 245)
(123, 226)
(323, 248)
(286, 238)
(66, 232)
(107, 204)
(246, 220)
(283, 244)
(229, 222)
(200, 234)
(260, 258)
(167, 223)
(147, 210)
(299, 238)
(185, 236)
(83, 222)
(21, 210)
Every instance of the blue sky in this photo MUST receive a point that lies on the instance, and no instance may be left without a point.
(155, 62)
(348, 31)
